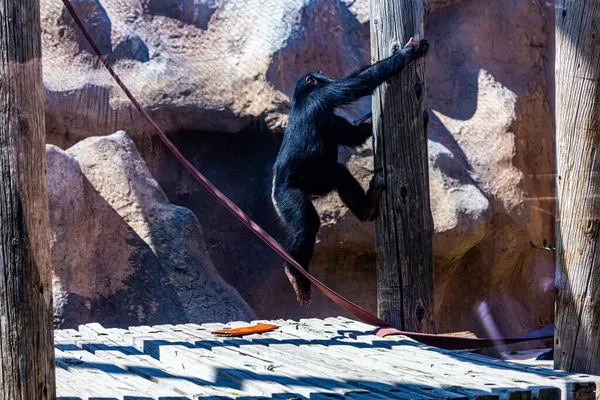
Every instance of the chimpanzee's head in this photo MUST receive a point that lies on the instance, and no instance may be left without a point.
(309, 83)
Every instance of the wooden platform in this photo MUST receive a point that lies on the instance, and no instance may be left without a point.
(335, 358)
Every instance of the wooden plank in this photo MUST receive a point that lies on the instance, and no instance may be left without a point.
(149, 368)
(100, 382)
(288, 356)
(571, 385)
(68, 387)
(322, 352)
(413, 366)
(264, 366)
(199, 360)
(138, 381)
(311, 356)
(207, 367)
(88, 382)
(417, 379)
(316, 359)
(442, 366)
(188, 385)
(312, 360)
(92, 368)
(581, 387)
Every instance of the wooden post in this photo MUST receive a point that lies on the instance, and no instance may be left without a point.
(26, 339)
(577, 336)
(404, 226)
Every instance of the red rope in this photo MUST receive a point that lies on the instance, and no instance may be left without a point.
(445, 341)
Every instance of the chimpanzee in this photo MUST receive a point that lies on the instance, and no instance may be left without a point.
(307, 167)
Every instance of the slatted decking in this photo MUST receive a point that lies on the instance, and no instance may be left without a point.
(311, 359)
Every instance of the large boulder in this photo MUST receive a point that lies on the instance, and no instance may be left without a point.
(491, 107)
(206, 67)
(122, 253)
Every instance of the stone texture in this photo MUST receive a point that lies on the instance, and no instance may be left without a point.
(490, 105)
(436, 5)
(204, 68)
(122, 253)
(460, 210)
(195, 12)
(207, 65)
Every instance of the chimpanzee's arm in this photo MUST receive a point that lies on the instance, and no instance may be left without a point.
(364, 81)
(351, 135)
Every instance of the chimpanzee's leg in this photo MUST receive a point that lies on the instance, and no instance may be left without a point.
(302, 222)
(364, 206)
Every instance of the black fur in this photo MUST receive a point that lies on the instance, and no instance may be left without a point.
(307, 166)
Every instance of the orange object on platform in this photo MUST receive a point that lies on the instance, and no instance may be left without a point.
(249, 330)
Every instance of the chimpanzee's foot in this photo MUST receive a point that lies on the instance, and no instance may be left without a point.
(376, 188)
(377, 184)
(300, 284)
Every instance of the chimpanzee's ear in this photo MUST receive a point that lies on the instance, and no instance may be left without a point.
(311, 80)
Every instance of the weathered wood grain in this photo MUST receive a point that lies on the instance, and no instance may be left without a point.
(335, 358)
(26, 356)
(404, 238)
(577, 335)
(441, 369)
(270, 365)
(119, 348)
(481, 372)
(316, 367)
(94, 371)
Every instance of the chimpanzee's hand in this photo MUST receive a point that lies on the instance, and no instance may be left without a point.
(419, 47)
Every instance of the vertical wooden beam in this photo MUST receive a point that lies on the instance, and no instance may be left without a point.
(26, 340)
(404, 238)
(577, 336)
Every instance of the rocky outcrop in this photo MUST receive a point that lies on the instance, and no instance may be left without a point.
(490, 107)
(207, 67)
(122, 253)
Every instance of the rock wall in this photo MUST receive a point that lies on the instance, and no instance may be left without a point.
(122, 253)
(488, 93)
(217, 74)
